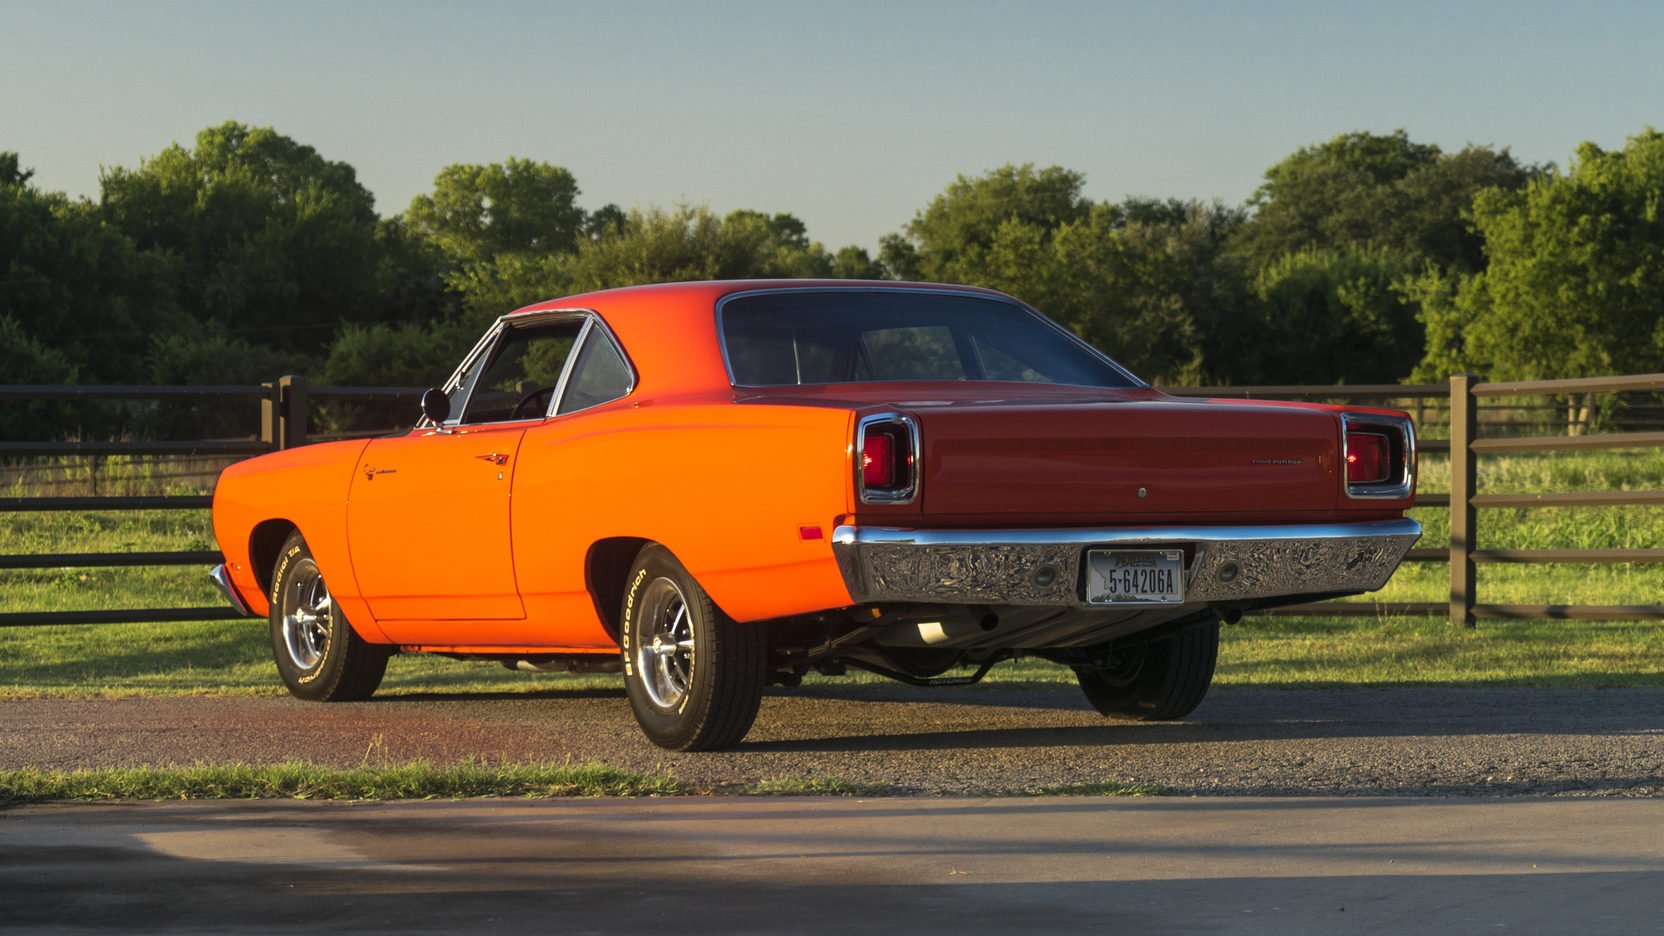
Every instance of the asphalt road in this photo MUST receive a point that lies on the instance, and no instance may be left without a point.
(984, 739)
(692, 866)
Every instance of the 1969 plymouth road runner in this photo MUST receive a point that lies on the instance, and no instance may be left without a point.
(715, 487)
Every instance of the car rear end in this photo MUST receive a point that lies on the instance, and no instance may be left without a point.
(1009, 477)
(1149, 509)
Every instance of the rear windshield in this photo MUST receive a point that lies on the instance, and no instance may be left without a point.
(787, 338)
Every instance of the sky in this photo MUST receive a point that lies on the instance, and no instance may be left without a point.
(849, 115)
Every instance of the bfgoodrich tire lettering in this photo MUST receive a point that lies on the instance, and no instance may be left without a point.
(694, 676)
(319, 655)
(1158, 681)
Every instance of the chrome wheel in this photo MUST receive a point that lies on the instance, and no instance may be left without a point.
(307, 613)
(664, 646)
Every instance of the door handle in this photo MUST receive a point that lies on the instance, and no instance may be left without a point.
(495, 458)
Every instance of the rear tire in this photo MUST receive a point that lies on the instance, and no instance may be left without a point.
(1158, 681)
(694, 675)
(320, 657)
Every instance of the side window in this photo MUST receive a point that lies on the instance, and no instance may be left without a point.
(522, 373)
(598, 376)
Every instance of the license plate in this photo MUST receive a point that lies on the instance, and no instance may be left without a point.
(1134, 576)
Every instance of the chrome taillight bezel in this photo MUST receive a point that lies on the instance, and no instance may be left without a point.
(912, 466)
(1401, 443)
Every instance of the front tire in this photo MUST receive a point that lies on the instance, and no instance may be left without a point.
(694, 675)
(1159, 681)
(320, 657)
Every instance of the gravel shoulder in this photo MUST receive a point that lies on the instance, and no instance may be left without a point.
(987, 739)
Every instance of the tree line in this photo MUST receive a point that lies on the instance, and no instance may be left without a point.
(1368, 258)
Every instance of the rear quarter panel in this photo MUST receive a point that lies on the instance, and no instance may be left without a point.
(728, 488)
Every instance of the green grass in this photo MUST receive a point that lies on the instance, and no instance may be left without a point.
(308, 781)
(303, 780)
(1304, 653)
(232, 657)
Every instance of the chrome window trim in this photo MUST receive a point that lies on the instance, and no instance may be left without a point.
(488, 341)
(453, 382)
(906, 495)
(1393, 488)
(722, 335)
(567, 366)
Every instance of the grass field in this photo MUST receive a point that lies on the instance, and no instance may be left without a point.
(233, 656)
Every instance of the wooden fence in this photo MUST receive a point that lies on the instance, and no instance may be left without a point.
(1459, 404)
(1454, 410)
(284, 423)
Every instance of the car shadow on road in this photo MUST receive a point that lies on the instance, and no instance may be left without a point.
(1227, 716)
(527, 695)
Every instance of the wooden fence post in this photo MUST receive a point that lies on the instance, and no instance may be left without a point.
(271, 416)
(292, 391)
(1464, 419)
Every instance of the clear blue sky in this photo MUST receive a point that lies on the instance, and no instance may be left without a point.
(850, 115)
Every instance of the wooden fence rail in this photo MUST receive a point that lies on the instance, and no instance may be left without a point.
(1465, 501)
(284, 424)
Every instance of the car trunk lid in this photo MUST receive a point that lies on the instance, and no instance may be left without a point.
(1108, 459)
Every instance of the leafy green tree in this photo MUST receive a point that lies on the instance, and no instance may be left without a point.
(1433, 218)
(1574, 278)
(269, 239)
(855, 263)
(25, 360)
(1148, 281)
(607, 219)
(1335, 315)
(476, 213)
(69, 282)
(12, 172)
(1330, 220)
(1152, 292)
(948, 240)
(1338, 192)
(651, 246)
(1380, 190)
(411, 275)
(405, 354)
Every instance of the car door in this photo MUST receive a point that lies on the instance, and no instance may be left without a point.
(428, 513)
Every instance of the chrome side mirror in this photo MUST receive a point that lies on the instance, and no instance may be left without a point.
(436, 406)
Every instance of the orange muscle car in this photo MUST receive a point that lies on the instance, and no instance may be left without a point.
(715, 487)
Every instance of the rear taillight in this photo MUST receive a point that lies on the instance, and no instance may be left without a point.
(1367, 458)
(887, 459)
(878, 460)
(1380, 456)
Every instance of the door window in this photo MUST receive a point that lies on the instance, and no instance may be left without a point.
(522, 373)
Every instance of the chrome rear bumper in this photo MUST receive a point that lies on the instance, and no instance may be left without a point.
(1044, 567)
(222, 578)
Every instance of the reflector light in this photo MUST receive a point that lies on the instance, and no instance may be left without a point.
(1367, 458)
(809, 533)
(878, 460)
